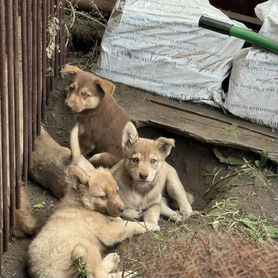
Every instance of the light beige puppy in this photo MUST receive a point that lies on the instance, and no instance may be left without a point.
(143, 175)
(84, 224)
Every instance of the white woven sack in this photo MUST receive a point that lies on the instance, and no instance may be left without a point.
(253, 87)
(157, 45)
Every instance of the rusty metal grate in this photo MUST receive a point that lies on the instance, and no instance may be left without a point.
(27, 29)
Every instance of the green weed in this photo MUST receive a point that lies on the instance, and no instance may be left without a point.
(40, 205)
(227, 215)
(230, 160)
(263, 159)
(80, 264)
(240, 170)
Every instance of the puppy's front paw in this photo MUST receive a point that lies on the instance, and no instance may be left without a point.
(176, 217)
(115, 257)
(186, 211)
(154, 227)
(110, 262)
(188, 214)
(130, 214)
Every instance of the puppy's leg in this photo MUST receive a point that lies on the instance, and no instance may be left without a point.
(152, 214)
(121, 230)
(94, 264)
(104, 159)
(168, 212)
(176, 191)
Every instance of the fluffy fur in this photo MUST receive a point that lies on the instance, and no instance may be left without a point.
(143, 175)
(98, 114)
(84, 224)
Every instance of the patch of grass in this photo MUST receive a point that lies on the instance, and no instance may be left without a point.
(40, 205)
(260, 174)
(80, 264)
(94, 15)
(240, 172)
(227, 215)
(97, 21)
(172, 230)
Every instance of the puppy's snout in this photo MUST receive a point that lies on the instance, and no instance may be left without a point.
(143, 176)
(115, 206)
(68, 102)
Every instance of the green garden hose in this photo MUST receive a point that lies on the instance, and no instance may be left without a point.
(245, 34)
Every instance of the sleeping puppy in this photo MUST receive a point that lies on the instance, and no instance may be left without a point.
(83, 226)
(101, 120)
(143, 175)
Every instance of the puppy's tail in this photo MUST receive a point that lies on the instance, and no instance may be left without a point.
(74, 144)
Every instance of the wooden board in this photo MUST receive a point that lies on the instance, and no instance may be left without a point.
(201, 122)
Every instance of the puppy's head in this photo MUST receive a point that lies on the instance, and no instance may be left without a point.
(144, 157)
(86, 90)
(97, 190)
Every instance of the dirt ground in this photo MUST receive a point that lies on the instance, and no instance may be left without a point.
(245, 188)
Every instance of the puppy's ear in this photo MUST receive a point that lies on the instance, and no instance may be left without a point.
(79, 178)
(106, 86)
(130, 136)
(69, 69)
(165, 145)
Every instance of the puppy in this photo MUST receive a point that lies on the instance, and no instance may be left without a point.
(84, 224)
(26, 223)
(101, 120)
(143, 175)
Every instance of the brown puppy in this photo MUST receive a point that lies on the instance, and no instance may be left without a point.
(84, 224)
(101, 120)
(143, 175)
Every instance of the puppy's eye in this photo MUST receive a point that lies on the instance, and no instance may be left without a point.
(104, 197)
(153, 161)
(72, 87)
(85, 95)
(135, 160)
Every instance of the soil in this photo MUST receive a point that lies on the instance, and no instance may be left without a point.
(197, 167)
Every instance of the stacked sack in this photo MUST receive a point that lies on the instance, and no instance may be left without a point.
(253, 87)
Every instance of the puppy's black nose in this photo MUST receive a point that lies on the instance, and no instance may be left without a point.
(143, 176)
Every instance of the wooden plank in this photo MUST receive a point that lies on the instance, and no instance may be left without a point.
(242, 17)
(201, 122)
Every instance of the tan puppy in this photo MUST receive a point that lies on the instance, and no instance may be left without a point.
(101, 120)
(143, 175)
(84, 224)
